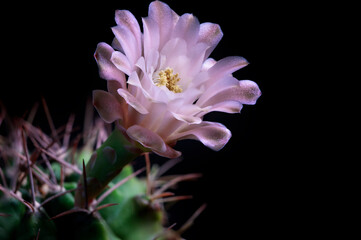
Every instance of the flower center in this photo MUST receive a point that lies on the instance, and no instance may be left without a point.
(169, 79)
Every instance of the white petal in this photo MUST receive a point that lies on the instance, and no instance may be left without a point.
(107, 70)
(210, 34)
(127, 19)
(219, 86)
(208, 63)
(128, 43)
(121, 62)
(250, 92)
(132, 101)
(107, 106)
(187, 28)
(226, 107)
(152, 141)
(212, 135)
(246, 92)
(151, 35)
(227, 66)
(164, 16)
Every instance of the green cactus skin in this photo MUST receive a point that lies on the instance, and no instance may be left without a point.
(127, 213)
(104, 165)
(135, 217)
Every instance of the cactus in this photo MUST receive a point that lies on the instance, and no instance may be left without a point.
(50, 201)
(161, 84)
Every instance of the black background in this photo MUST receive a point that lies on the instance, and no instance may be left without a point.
(251, 187)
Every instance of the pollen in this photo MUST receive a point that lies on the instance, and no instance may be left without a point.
(169, 79)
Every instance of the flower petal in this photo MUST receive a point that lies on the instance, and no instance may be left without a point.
(127, 19)
(227, 66)
(245, 92)
(128, 42)
(152, 141)
(250, 92)
(186, 118)
(132, 101)
(150, 35)
(226, 107)
(164, 16)
(107, 106)
(187, 28)
(212, 135)
(219, 86)
(208, 63)
(107, 70)
(113, 87)
(121, 62)
(210, 34)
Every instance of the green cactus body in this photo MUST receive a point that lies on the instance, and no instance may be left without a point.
(135, 217)
(127, 213)
(105, 164)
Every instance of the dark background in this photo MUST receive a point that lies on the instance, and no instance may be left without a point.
(251, 186)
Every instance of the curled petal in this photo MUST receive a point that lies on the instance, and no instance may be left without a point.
(107, 70)
(107, 106)
(121, 62)
(132, 101)
(128, 42)
(151, 140)
(187, 118)
(127, 19)
(210, 34)
(226, 107)
(212, 135)
(227, 66)
(250, 91)
(219, 86)
(184, 112)
(208, 63)
(246, 92)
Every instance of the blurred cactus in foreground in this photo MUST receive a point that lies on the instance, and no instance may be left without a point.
(43, 195)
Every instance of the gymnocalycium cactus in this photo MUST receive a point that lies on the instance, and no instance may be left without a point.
(160, 85)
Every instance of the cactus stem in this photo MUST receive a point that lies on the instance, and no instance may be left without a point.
(117, 185)
(30, 172)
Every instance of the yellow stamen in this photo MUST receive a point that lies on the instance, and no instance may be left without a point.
(168, 79)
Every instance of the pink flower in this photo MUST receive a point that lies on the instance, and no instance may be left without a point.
(171, 83)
